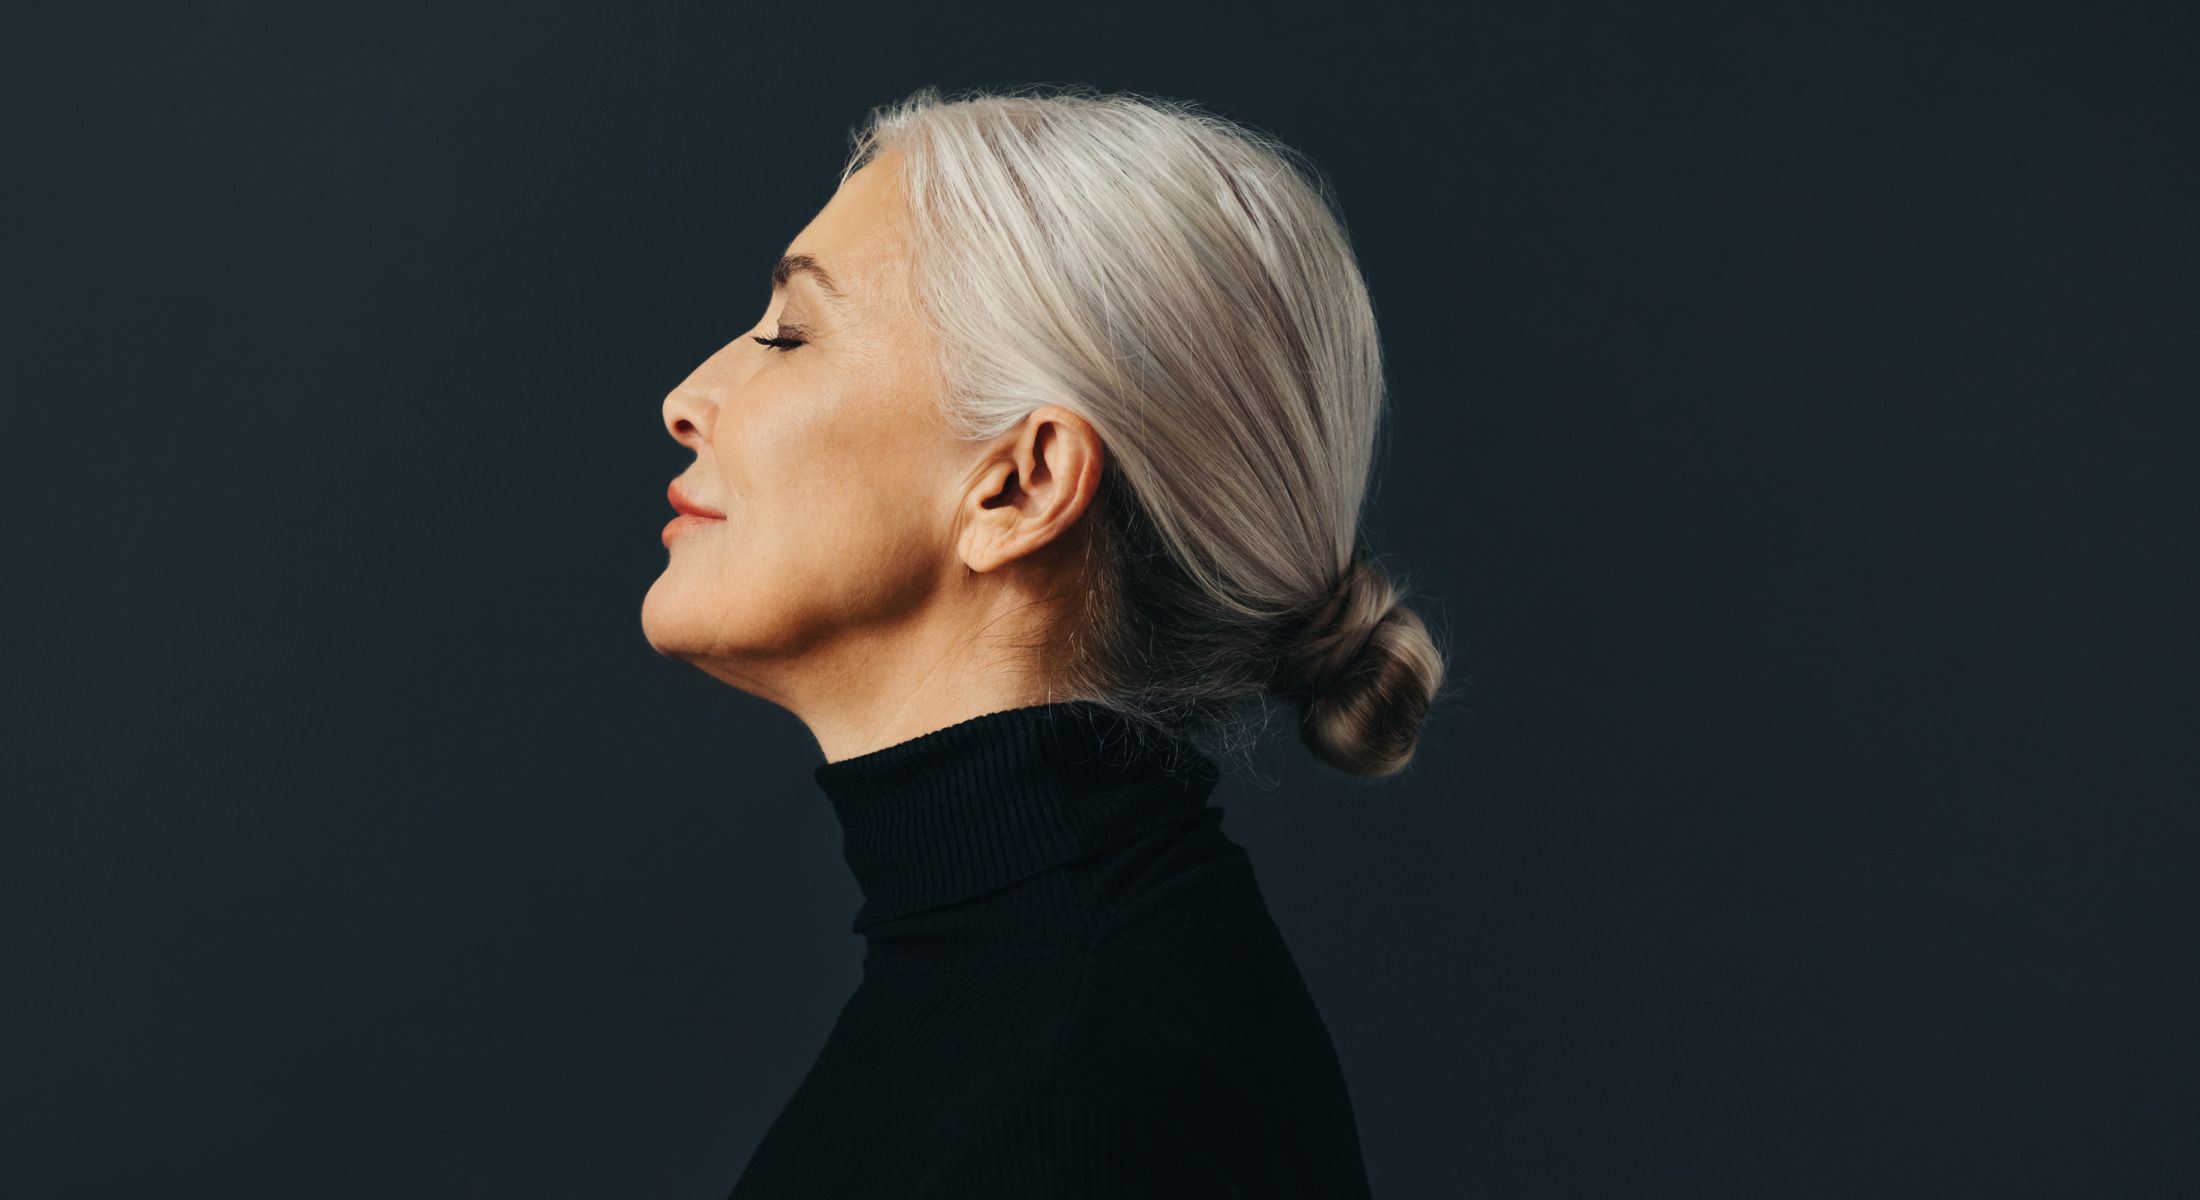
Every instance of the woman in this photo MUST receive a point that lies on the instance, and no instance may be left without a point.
(1047, 456)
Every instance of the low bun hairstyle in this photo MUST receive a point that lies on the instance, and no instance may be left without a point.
(1364, 671)
(1185, 284)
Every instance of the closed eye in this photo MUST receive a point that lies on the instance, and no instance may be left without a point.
(777, 343)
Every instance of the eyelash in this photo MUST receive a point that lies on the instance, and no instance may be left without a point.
(777, 343)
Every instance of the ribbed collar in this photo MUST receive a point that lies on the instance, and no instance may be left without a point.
(975, 806)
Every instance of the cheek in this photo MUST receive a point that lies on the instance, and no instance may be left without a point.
(841, 499)
(870, 494)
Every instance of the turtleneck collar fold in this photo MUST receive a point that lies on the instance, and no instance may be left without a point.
(997, 798)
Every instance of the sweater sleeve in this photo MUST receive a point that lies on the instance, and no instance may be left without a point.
(1052, 1143)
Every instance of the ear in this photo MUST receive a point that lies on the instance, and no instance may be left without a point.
(1033, 485)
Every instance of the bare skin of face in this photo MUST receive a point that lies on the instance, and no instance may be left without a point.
(873, 574)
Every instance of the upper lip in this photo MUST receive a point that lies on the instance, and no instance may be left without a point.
(683, 504)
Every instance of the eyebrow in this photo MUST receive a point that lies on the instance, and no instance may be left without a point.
(792, 264)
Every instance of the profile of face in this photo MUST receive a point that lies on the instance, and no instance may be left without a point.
(868, 570)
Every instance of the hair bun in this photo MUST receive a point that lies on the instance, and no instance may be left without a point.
(1338, 631)
(1365, 670)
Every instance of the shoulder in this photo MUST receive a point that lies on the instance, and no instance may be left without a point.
(1061, 1138)
(1185, 1059)
(1189, 963)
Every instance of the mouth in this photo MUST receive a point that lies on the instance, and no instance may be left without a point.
(685, 506)
(684, 522)
(691, 515)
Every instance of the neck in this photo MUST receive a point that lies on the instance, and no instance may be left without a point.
(963, 655)
(972, 820)
(925, 708)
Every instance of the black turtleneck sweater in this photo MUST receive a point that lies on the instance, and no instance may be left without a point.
(1071, 985)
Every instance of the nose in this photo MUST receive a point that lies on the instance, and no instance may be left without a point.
(688, 417)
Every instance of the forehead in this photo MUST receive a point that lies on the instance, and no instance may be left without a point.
(857, 238)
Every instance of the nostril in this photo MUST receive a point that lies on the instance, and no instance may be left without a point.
(681, 409)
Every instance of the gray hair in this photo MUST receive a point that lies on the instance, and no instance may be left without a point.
(1176, 280)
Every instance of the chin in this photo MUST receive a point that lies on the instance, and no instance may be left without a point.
(670, 623)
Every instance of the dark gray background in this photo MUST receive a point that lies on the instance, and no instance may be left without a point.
(1788, 418)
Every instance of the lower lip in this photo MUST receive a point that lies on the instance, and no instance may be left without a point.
(684, 522)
